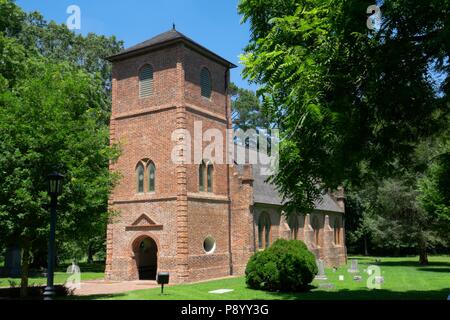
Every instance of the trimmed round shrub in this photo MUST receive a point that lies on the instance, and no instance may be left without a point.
(286, 266)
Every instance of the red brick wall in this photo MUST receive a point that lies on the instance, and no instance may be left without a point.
(165, 80)
(143, 128)
(194, 62)
(183, 216)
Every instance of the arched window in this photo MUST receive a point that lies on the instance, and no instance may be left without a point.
(316, 227)
(294, 226)
(337, 231)
(264, 225)
(140, 178)
(151, 174)
(146, 81)
(206, 177)
(205, 82)
(210, 177)
(201, 176)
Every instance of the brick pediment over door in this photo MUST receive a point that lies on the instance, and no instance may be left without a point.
(143, 223)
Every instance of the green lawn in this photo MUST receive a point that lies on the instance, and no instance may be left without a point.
(88, 272)
(404, 279)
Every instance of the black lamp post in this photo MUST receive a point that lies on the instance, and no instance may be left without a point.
(55, 181)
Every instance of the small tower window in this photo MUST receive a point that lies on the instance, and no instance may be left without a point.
(146, 81)
(151, 176)
(140, 178)
(205, 81)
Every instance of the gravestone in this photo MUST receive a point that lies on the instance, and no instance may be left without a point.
(74, 268)
(354, 266)
(341, 278)
(379, 280)
(321, 275)
(326, 286)
(73, 282)
(13, 261)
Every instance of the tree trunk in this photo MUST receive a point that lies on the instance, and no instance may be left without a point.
(90, 253)
(366, 248)
(24, 271)
(423, 255)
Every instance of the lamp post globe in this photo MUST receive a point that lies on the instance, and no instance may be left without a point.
(55, 181)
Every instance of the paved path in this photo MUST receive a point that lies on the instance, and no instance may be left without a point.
(103, 287)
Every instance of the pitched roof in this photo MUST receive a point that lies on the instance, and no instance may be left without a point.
(266, 193)
(167, 38)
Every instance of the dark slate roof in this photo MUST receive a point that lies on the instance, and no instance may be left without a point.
(327, 204)
(266, 193)
(167, 38)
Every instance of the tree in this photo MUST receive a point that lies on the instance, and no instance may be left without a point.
(53, 119)
(348, 101)
(247, 110)
(12, 66)
(58, 43)
(11, 18)
(409, 211)
(28, 36)
(434, 185)
(359, 218)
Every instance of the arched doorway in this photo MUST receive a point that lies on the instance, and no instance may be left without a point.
(146, 255)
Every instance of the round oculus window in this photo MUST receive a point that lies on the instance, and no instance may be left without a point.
(209, 245)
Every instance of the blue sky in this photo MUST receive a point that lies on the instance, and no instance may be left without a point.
(213, 23)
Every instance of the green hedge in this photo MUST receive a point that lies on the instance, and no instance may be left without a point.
(286, 266)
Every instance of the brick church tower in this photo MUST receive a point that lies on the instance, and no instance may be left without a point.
(170, 217)
(197, 219)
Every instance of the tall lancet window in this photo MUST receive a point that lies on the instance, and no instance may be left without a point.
(210, 177)
(201, 177)
(206, 177)
(316, 227)
(294, 225)
(337, 231)
(151, 172)
(140, 178)
(264, 225)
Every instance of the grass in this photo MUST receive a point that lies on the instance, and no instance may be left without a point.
(404, 279)
(88, 272)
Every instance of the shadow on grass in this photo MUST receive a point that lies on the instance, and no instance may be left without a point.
(346, 294)
(414, 264)
(85, 267)
(115, 296)
(443, 270)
